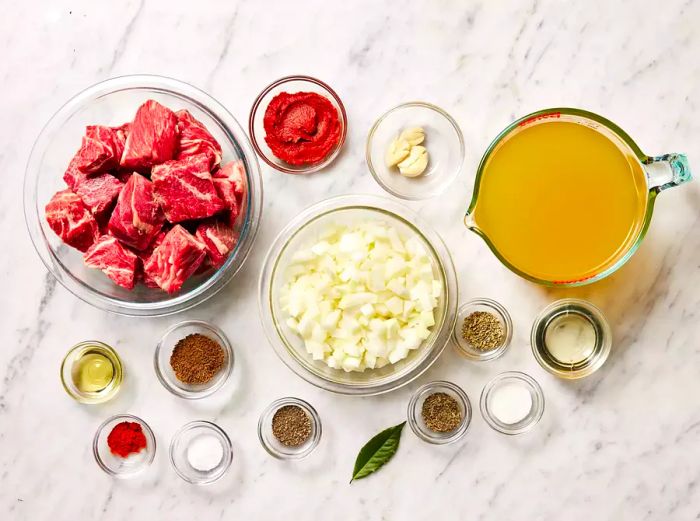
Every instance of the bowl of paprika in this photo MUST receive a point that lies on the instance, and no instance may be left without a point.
(124, 445)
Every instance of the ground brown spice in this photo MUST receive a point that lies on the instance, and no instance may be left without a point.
(441, 413)
(291, 425)
(196, 359)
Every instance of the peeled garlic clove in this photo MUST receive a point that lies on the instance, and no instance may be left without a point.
(414, 135)
(398, 151)
(416, 162)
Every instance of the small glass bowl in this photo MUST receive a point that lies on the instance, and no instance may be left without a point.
(293, 84)
(181, 442)
(116, 465)
(490, 306)
(530, 420)
(415, 416)
(164, 349)
(586, 311)
(443, 140)
(277, 449)
(74, 355)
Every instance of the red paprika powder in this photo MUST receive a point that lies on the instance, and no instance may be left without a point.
(126, 438)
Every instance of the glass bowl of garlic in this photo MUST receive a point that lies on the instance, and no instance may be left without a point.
(358, 295)
(414, 151)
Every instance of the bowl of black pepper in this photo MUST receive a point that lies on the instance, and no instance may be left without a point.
(439, 412)
(193, 359)
(483, 330)
(289, 428)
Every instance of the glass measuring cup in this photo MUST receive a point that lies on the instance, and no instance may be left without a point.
(540, 186)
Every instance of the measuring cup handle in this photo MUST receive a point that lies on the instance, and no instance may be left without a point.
(667, 171)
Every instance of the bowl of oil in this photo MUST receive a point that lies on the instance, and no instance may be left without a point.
(571, 338)
(91, 372)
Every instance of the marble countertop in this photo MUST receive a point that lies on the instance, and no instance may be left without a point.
(622, 444)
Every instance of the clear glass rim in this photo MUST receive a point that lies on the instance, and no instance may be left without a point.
(227, 447)
(521, 426)
(388, 207)
(310, 412)
(208, 391)
(89, 398)
(208, 288)
(491, 354)
(448, 179)
(425, 434)
(306, 169)
(602, 323)
(147, 432)
(569, 111)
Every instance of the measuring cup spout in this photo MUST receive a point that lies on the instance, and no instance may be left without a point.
(469, 221)
(667, 171)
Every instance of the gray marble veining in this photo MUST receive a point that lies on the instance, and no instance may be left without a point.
(622, 444)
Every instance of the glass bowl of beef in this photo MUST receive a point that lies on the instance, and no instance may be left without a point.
(112, 103)
(306, 229)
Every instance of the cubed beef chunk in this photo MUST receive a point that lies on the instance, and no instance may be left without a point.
(175, 260)
(71, 220)
(100, 192)
(99, 152)
(137, 217)
(234, 171)
(230, 184)
(185, 189)
(194, 138)
(144, 255)
(152, 138)
(114, 259)
(219, 238)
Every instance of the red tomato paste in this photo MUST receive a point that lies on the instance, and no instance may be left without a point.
(301, 128)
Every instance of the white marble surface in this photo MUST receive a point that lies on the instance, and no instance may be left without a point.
(623, 444)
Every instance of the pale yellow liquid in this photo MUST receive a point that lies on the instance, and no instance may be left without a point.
(93, 372)
(560, 201)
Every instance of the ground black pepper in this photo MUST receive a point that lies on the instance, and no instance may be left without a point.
(291, 425)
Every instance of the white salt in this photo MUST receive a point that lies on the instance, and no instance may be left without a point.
(510, 402)
(205, 452)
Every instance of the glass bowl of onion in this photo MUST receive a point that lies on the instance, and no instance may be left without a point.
(358, 295)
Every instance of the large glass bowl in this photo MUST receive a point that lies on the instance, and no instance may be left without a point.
(114, 102)
(301, 232)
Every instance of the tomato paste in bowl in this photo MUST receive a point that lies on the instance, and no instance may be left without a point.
(298, 125)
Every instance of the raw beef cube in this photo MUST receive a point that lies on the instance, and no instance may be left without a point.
(115, 261)
(137, 217)
(177, 257)
(120, 135)
(99, 151)
(234, 171)
(99, 192)
(152, 138)
(227, 192)
(194, 138)
(219, 239)
(185, 189)
(144, 255)
(71, 220)
(73, 175)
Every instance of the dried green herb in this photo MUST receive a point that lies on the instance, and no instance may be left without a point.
(441, 413)
(377, 452)
(483, 331)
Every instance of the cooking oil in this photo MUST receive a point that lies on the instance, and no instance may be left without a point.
(93, 372)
